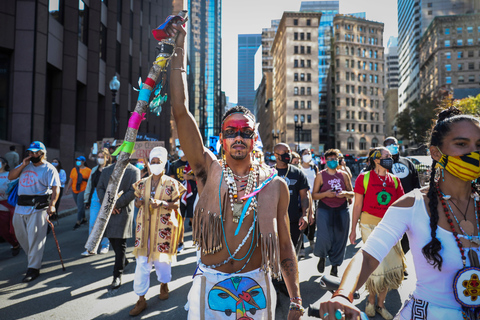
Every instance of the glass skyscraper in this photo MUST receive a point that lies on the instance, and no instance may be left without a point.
(204, 64)
(248, 45)
(328, 9)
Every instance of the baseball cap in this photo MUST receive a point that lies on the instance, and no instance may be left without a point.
(81, 158)
(37, 146)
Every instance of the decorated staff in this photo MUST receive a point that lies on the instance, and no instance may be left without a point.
(123, 153)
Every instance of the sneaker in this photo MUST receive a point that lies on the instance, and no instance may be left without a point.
(87, 253)
(104, 250)
(31, 275)
(301, 253)
(139, 307)
(370, 309)
(83, 221)
(321, 265)
(180, 247)
(76, 226)
(384, 313)
(117, 282)
(16, 250)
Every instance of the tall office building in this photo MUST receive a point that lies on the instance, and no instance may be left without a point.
(449, 55)
(204, 60)
(414, 17)
(391, 54)
(359, 82)
(326, 117)
(268, 35)
(56, 61)
(295, 79)
(248, 45)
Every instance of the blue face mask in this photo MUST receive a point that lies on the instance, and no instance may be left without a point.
(332, 164)
(54, 164)
(140, 166)
(393, 148)
(78, 163)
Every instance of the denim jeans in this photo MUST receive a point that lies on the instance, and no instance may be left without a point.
(94, 210)
(78, 198)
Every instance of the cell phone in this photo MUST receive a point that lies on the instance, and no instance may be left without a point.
(95, 148)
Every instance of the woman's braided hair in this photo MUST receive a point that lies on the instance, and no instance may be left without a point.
(441, 128)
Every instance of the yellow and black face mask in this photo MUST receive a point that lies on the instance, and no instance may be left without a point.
(466, 167)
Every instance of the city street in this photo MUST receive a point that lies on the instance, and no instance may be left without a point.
(82, 291)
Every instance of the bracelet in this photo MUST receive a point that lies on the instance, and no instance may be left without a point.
(296, 298)
(344, 294)
(297, 307)
(181, 69)
(179, 48)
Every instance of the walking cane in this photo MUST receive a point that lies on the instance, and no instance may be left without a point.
(56, 241)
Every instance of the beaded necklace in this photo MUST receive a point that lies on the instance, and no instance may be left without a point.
(235, 203)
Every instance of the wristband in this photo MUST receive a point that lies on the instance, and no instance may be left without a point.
(296, 307)
(344, 294)
(296, 298)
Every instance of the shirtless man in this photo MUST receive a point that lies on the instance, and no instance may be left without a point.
(243, 242)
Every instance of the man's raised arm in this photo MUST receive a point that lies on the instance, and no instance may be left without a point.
(188, 133)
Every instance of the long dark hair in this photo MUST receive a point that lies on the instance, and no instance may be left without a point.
(5, 163)
(59, 167)
(441, 128)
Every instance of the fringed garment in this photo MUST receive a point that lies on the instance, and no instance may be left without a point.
(389, 273)
(158, 230)
(207, 224)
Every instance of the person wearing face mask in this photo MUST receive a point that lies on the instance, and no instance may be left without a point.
(158, 228)
(441, 222)
(63, 179)
(332, 187)
(310, 170)
(91, 198)
(39, 185)
(119, 226)
(78, 183)
(181, 171)
(375, 190)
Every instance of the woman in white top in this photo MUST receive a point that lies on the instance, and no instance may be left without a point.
(310, 170)
(441, 222)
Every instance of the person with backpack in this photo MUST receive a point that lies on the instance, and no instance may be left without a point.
(78, 183)
(332, 187)
(375, 190)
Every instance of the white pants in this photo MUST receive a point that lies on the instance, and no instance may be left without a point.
(31, 233)
(141, 281)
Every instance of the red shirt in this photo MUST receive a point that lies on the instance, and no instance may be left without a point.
(378, 198)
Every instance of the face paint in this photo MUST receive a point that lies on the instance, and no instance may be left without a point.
(238, 127)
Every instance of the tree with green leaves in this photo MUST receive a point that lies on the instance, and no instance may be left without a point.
(415, 121)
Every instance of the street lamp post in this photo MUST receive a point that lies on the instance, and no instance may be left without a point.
(275, 136)
(298, 128)
(114, 87)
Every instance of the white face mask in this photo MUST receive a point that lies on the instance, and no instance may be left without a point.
(157, 169)
(180, 153)
(100, 160)
(307, 158)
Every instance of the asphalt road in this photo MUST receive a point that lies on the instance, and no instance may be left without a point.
(82, 291)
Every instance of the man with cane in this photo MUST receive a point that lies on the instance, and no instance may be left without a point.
(38, 190)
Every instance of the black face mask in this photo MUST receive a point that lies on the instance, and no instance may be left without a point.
(286, 157)
(35, 159)
(387, 163)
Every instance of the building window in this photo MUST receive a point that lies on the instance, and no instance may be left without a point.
(449, 79)
(471, 78)
(337, 88)
(347, 88)
(374, 142)
(370, 77)
(459, 42)
(295, 22)
(359, 128)
(338, 114)
(295, 104)
(459, 30)
(363, 144)
(338, 101)
(461, 79)
(308, 35)
(376, 128)
(302, 91)
(308, 22)
(295, 63)
(459, 54)
(353, 101)
(295, 49)
(471, 66)
(338, 127)
(447, 43)
(309, 50)
(302, 76)
(347, 76)
(470, 53)
(309, 91)
(447, 30)
(302, 63)
(448, 67)
(348, 127)
(376, 79)
(470, 42)
(295, 77)
(103, 42)
(309, 63)
(347, 63)
(347, 100)
(309, 118)
(376, 104)
(309, 104)
(295, 91)
(82, 22)
(460, 66)
(353, 91)
(295, 36)
(375, 54)
(309, 77)
(302, 104)
(302, 36)
(448, 55)
(56, 10)
(350, 143)
(302, 49)
(353, 127)
(470, 29)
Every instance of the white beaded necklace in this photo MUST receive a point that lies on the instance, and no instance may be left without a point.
(235, 204)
